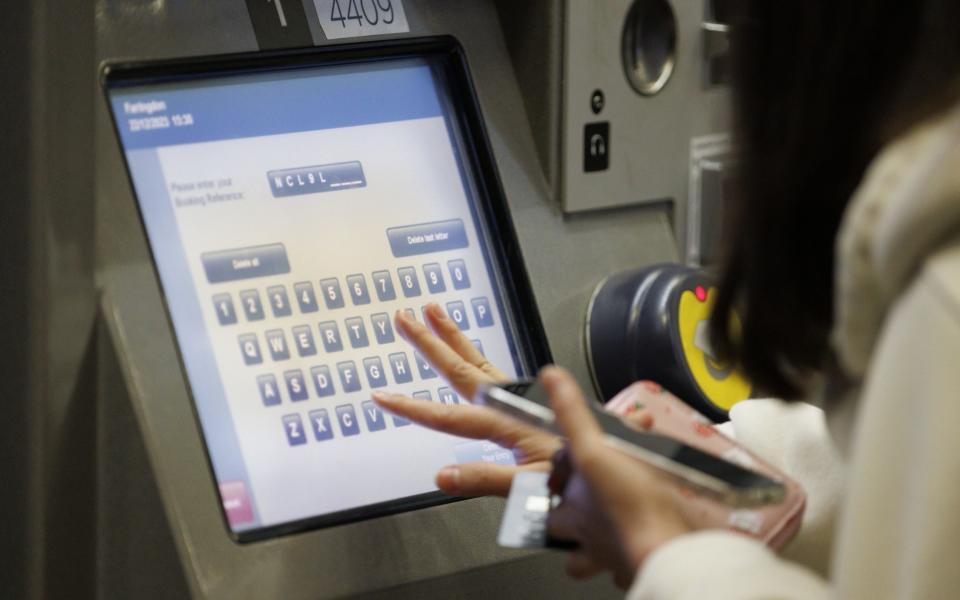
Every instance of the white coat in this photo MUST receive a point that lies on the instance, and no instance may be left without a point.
(882, 471)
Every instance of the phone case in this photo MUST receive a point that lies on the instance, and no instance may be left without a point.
(774, 524)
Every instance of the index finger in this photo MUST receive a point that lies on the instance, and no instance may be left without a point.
(572, 414)
(449, 332)
(462, 375)
(612, 475)
(464, 420)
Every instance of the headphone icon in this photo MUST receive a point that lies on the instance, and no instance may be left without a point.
(598, 145)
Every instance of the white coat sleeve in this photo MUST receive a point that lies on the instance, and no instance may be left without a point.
(898, 526)
(721, 565)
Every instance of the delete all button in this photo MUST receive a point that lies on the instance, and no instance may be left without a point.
(411, 240)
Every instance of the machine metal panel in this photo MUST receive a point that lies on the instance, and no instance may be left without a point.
(449, 549)
(341, 467)
(649, 144)
(163, 29)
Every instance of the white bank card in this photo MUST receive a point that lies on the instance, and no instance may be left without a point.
(524, 522)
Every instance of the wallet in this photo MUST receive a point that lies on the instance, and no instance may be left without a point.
(773, 524)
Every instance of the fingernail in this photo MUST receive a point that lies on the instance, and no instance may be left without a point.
(448, 479)
(549, 371)
(383, 397)
(438, 312)
(405, 319)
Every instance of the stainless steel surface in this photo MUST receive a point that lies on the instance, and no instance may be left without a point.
(448, 550)
(57, 396)
(710, 163)
(650, 135)
(716, 43)
(649, 45)
(121, 504)
(135, 549)
(16, 387)
(167, 28)
(533, 30)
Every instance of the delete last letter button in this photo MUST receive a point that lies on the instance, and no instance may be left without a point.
(411, 240)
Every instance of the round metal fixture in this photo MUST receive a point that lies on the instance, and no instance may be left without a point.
(597, 101)
(649, 45)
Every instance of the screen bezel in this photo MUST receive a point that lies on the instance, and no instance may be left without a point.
(474, 150)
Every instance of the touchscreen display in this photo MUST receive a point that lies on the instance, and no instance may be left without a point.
(290, 213)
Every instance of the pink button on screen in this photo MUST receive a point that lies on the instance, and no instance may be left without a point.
(235, 502)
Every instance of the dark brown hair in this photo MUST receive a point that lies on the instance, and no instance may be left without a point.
(819, 87)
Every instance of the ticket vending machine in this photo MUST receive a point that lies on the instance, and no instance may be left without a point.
(270, 178)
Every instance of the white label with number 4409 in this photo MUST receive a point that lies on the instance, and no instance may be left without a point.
(355, 18)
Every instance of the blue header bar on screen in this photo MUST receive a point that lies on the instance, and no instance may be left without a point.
(250, 105)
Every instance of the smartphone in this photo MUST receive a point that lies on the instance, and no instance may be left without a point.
(707, 474)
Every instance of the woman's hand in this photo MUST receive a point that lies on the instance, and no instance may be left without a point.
(455, 358)
(583, 516)
(619, 509)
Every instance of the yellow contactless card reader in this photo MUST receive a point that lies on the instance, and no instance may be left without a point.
(652, 324)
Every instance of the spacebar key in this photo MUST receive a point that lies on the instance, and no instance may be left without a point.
(245, 263)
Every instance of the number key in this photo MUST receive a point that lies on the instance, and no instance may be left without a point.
(434, 277)
(252, 308)
(279, 303)
(458, 274)
(330, 288)
(358, 289)
(384, 286)
(305, 296)
(223, 305)
(408, 281)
